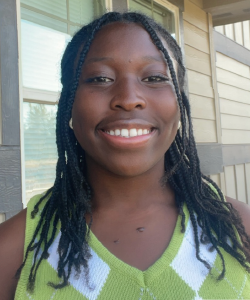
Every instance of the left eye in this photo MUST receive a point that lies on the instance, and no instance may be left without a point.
(156, 79)
(99, 79)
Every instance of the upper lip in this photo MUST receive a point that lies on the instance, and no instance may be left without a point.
(125, 124)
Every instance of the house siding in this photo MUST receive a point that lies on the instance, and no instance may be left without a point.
(198, 65)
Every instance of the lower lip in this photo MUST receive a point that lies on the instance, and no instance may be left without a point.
(131, 142)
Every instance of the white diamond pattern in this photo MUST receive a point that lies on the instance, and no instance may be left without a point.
(98, 273)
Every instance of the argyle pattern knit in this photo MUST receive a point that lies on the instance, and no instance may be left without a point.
(176, 275)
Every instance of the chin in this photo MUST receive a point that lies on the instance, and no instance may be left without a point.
(134, 169)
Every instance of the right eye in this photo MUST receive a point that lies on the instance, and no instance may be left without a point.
(98, 79)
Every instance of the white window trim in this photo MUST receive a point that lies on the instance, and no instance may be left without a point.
(109, 5)
(40, 96)
(175, 10)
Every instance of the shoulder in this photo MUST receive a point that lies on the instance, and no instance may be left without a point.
(12, 236)
(243, 210)
(14, 233)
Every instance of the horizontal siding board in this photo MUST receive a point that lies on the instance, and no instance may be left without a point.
(235, 122)
(230, 136)
(247, 174)
(195, 37)
(234, 108)
(197, 60)
(232, 65)
(202, 107)
(232, 93)
(230, 182)
(240, 183)
(200, 84)
(204, 131)
(232, 79)
(198, 3)
(196, 16)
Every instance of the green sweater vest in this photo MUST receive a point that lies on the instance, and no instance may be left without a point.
(176, 275)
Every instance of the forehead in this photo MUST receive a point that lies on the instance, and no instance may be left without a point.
(124, 38)
(128, 41)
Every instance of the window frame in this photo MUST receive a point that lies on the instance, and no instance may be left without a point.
(175, 10)
(36, 95)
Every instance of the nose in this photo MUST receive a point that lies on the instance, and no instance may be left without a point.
(127, 96)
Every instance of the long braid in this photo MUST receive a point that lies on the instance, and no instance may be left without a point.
(69, 200)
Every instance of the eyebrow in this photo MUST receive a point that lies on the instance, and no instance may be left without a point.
(97, 59)
(145, 58)
(152, 58)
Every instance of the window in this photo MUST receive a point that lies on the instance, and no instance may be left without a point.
(46, 28)
(161, 11)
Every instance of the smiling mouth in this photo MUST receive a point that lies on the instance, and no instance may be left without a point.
(128, 133)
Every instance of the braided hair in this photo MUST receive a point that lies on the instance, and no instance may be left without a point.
(69, 200)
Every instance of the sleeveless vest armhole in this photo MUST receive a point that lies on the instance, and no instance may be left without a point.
(29, 231)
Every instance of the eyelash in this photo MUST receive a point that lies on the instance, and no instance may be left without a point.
(161, 77)
(103, 79)
(98, 79)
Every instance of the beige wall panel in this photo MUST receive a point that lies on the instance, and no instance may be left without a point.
(232, 93)
(197, 60)
(223, 183)
(230, 136)
(229, 30)
(230, 78)
(232, 65)
(238, 33)
(216, 179)
(195, 37)
(230, 182)
(196, 16)
(2, 218)
(234, 108)
(220, 29)
(235, 122)
(198, 3)
(202, 107)
(246, 34)
(200, 84)
(240, 182)
(204, 131)
(247, 172)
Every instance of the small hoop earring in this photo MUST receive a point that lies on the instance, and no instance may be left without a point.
(179, 124)
(70, 123)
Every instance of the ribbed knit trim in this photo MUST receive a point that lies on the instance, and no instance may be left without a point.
(29, 232)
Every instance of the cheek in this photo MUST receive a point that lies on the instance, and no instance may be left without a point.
(85, 118)
(167, 109)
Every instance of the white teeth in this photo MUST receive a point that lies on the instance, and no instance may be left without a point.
(128, 132)
(124, 132)
(117, 132)
(133, 132)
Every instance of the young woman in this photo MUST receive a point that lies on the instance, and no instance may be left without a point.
(130, 215)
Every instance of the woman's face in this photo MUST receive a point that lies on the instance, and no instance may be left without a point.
(125, 114)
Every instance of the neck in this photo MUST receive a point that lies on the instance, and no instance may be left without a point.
(129, 193)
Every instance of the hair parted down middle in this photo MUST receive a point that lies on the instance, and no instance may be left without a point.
(69, 199)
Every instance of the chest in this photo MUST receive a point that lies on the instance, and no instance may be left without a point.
(138, 241)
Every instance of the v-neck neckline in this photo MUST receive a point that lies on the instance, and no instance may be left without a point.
(143, 278)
